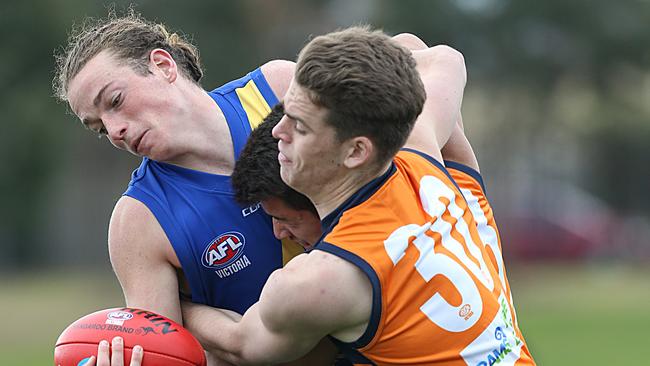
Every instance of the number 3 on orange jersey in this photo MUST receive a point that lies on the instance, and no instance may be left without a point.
(437, 200)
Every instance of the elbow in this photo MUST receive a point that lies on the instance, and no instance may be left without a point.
(449, 53)
(410, 41)
(232, 353)
(237, 350)
(450, 56)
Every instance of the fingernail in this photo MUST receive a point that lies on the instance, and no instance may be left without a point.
(85, 361)
(117, 339)
(137, 349)
(103, 343)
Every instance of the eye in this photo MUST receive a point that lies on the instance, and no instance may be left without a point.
(298, 128)
(115, 101)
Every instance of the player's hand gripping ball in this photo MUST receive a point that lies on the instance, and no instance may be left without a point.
(165, 342)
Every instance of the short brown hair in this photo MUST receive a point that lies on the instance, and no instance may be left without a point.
(368, 83)
(130, 38)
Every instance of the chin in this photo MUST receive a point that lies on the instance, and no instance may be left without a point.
(159, 153)
(286, 177)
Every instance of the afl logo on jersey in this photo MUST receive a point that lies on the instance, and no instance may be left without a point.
(224, 250)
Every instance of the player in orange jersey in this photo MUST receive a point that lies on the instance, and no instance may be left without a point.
(294, 216)
(401, 273)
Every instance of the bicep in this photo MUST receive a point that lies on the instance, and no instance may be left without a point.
(137, 249)
(297, 309)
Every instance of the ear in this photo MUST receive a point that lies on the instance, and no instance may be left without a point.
(360, 151)
(161, 61)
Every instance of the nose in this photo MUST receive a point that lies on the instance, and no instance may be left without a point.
(115, 128)
(280, 130)
(280, 231)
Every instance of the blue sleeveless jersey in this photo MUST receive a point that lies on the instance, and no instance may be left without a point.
(226, 251)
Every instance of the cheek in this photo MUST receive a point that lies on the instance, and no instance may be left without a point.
(311, 151)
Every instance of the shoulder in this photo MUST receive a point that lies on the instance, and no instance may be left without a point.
(129, 212)
(316, 290)
(278, 73)
(134, 229)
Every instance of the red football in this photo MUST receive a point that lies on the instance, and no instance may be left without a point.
(165, 342)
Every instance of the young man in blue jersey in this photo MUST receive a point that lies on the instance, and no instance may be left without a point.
(177, 227)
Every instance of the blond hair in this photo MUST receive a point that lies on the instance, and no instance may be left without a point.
(130, 38)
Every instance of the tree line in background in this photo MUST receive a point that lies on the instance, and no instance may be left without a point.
(556, 106)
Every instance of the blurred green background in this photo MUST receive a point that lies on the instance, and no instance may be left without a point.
(557, 106)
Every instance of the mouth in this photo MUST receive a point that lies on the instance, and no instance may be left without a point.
(283, 159)
(136, 143)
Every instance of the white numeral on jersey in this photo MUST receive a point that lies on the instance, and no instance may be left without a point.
(432, 190)
(429, 264)
(489, 237)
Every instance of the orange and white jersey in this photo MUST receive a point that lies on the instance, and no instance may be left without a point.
(472, 187)
(438, 298)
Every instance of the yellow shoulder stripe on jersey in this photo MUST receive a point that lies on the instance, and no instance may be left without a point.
(290, 249)
(254, 103)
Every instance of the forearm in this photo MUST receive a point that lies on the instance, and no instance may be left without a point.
(458, 148)
(442, 70)
(445, 78)
(214, 328)
(243, 340)
(154, 293)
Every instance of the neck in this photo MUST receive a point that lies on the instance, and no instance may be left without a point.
(329, 197)
(203, 135)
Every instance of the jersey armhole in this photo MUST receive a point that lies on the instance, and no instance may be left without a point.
(375, 315)
(467, 170)
(263, 86)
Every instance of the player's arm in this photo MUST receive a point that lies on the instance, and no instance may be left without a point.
(296, 310)
(443, 73)
(278, 73)
(410, 41)
(458, 148)
(455, 146)
(139, 252)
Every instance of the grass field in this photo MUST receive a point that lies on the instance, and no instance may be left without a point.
(584, 315)
(570, 314)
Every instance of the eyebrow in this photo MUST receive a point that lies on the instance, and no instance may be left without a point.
(294, 117)
(96, 101)
(98, 98)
